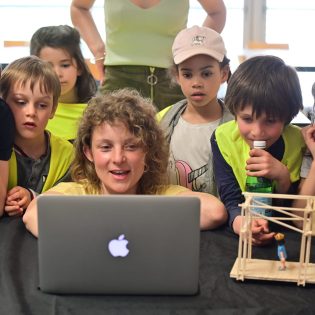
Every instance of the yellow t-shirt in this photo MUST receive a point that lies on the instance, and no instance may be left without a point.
(73, 188)
(66, 120)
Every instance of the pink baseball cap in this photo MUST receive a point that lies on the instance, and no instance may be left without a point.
(198, 40)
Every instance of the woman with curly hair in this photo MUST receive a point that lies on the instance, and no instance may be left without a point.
(120, 149)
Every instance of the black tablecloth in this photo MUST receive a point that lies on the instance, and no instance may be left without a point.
(219, 294)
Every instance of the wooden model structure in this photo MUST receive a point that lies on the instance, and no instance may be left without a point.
(245, 267)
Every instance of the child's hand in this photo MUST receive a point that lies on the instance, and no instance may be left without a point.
(261, 163)
(260, 231)
(18, 198)
(309, 138)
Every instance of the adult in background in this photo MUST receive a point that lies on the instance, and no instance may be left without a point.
(139, 36)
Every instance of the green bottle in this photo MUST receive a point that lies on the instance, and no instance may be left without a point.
(260, 185)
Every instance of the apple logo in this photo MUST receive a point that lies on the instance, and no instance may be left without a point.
(118, 247)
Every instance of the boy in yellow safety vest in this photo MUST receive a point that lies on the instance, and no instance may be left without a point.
(39, 159)
(264, 94)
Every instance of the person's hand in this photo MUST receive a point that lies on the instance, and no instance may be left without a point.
(18, 198)
(309, 138)
(262, 164)
(260, 231)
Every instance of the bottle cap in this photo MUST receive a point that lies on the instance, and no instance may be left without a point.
(259, 144)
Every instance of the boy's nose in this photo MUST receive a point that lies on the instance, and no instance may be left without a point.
(257, 131)
(30, 110)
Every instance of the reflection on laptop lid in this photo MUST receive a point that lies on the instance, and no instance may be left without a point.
(119, 244)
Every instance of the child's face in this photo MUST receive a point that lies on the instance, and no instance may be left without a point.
(118, 157)
(31, 110)
(66, 69)
(263, 128)
(200, 78)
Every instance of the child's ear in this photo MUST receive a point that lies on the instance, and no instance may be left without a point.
(79, 69)
(225, 72)
(88, 153)
(79, 72)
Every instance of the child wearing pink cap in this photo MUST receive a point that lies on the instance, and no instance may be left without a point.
(200, 67)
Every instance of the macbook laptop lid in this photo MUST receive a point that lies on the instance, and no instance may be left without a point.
(119, 244)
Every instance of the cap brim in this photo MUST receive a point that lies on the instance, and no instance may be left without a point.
(182, 56)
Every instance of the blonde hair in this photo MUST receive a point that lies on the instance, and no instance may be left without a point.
(279, 236)
(138, 115)
(31, 70)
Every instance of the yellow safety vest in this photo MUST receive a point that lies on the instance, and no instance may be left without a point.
(235, 150)
(162, 113)
(60, 159)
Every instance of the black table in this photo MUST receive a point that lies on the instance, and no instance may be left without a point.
(219, 294)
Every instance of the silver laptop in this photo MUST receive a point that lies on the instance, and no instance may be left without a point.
(119, 244)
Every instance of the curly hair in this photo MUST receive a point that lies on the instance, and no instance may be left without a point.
(138, 115)
(67, 38)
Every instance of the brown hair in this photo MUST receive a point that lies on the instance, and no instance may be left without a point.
(33, 70)
(138, 115)
(67, 38)
(268, 85)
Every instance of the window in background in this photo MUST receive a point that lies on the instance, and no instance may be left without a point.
(21, 18)
(232, 33)
(233, 30)
(293, 22)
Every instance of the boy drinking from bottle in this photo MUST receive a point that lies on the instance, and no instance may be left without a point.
(264, 94)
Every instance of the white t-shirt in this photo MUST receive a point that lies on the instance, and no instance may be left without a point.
(190, 151)
(306, 165)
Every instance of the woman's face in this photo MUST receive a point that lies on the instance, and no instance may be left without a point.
(118, 157)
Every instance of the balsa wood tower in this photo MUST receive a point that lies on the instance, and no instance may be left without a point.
(301, 272)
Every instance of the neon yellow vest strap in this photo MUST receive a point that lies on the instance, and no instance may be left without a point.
(60, 160)
(162, 113)
(12, 171)
(235, 150)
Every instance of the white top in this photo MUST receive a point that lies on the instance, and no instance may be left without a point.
(189, 157)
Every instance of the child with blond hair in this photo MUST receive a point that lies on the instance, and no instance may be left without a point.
(39, 159)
